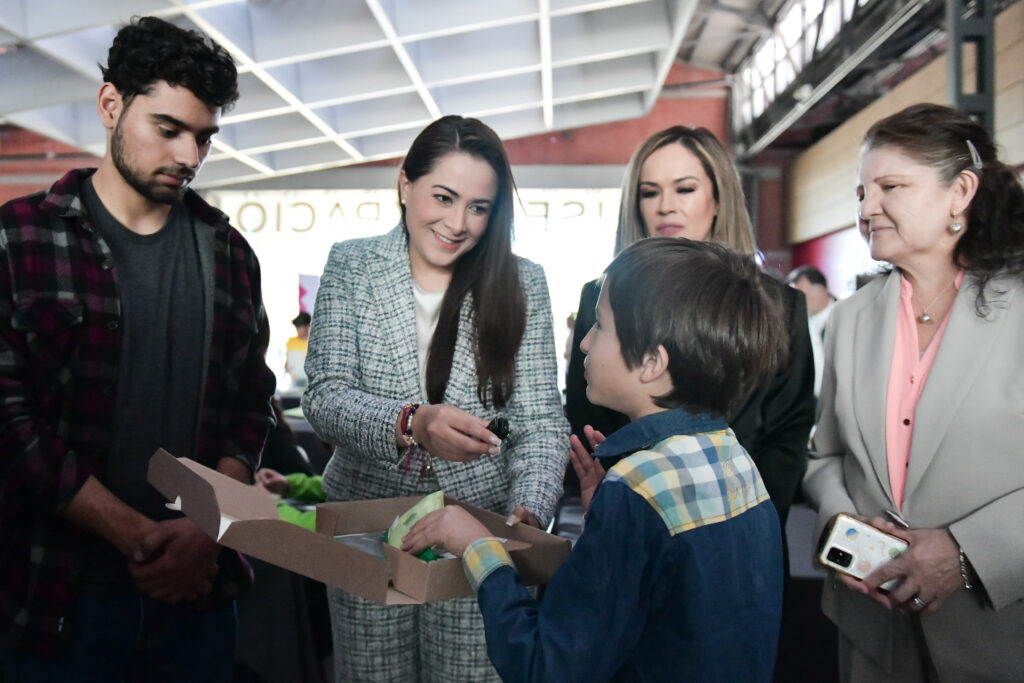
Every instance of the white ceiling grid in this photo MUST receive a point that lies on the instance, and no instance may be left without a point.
(327, 83)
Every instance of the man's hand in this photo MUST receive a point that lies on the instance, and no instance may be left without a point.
(451, 527)
(588, 468)
(175, 562)
(235, 468)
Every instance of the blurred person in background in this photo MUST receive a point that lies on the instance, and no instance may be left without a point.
(814, 285)
(295, 349)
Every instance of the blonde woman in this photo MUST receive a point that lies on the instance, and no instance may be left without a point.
(681, 183)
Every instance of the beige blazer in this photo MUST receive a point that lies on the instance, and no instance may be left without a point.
(966, 470)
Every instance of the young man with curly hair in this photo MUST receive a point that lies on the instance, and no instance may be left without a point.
(130, 319)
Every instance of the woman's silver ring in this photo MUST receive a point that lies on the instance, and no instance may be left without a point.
(919, 603)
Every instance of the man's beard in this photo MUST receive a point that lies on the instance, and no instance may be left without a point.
(149, 188)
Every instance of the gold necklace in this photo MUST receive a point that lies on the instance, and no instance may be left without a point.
(925, 318)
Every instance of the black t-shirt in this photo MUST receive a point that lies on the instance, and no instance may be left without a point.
(160, 369)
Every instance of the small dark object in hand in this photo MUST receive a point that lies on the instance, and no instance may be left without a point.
(499, 426)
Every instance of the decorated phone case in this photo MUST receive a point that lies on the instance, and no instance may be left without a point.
(857, 549)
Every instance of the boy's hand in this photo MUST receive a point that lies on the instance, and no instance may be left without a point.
(594, 437)
(450, 527)
(272, 480)
(588, 468)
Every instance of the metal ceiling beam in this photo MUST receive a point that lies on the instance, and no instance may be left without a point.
(977, 32)
(684, 15)
(354, 80)
(753, 16)
(411, 70)
(243, 59)
(869, 28)
(546, 76)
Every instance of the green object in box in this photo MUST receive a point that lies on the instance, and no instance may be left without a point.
(400, 527)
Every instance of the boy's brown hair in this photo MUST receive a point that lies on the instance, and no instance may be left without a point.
(723, 330)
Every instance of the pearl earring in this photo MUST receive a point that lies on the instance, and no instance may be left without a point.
(956, 227)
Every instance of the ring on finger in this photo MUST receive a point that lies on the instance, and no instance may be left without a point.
(919, 603)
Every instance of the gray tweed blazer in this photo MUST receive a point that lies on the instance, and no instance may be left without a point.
(363, 368)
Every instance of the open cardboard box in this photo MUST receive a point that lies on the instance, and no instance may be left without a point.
(245, 519)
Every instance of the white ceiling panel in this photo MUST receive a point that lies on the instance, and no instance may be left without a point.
(476, 55)
(517, 92)
(23, 73)
(329, 83)
(643, 27)
(592, 112)
(377, 115)
(8, 38)
(415, 19)
(383, 145)
(303, 157)
(348, 76)
(219, 171)
(269, 132)
(515, 124)
(256, 100)
(297, 29)
(605, 79)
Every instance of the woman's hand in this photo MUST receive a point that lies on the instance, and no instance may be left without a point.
(929, 569)
(271, 480)
(588, 468)
(521, 514)
(450, 527)
(453, 434)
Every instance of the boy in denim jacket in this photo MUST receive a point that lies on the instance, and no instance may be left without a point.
(678, 572)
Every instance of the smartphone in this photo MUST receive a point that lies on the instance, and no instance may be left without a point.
(857, 549)
(499, 427)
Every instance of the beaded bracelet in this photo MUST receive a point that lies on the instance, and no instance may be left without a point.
(963, 571)
(405, 423)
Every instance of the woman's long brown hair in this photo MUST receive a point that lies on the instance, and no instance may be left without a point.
(488, 273)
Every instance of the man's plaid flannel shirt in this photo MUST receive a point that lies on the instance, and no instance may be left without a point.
(60, 337)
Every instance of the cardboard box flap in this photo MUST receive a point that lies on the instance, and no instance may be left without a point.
(311, 554)
(245, 519)
(210, 499)
(360, 515)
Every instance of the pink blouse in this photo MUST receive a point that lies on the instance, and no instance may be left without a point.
(907, 377)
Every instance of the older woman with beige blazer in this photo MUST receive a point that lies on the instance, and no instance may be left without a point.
(922, 410)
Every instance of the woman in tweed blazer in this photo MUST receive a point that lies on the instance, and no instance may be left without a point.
(368, 364)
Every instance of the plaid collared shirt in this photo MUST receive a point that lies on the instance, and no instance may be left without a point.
(676, 577)
(60, 342)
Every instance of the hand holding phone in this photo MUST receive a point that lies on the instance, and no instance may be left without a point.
(499, 427)
(856, 548)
